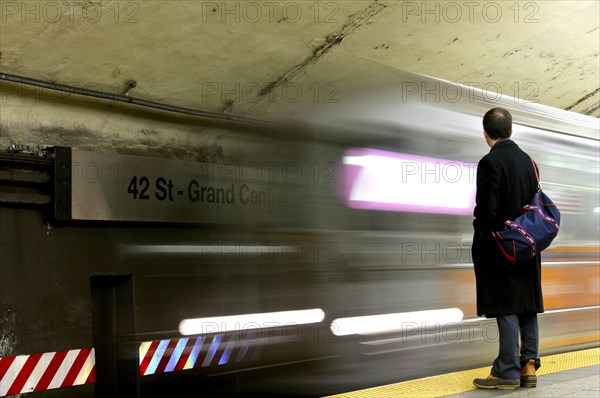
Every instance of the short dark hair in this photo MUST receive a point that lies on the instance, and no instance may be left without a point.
(497, 123)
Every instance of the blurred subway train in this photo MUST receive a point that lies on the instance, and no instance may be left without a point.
(325, 256)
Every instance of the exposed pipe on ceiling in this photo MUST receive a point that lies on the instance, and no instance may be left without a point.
(134, 101)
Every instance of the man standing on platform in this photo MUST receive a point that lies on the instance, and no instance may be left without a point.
(506, 181)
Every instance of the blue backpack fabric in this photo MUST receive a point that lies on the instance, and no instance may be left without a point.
(531, 232)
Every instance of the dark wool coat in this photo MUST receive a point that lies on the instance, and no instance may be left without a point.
(505, 183)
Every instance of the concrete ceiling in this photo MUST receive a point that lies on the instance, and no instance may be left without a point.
(264, 58)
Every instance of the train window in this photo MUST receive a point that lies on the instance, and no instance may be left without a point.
(383, 180)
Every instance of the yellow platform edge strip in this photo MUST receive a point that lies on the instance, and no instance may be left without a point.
(454, 383)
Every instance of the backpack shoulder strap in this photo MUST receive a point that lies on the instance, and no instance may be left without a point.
(537, 175)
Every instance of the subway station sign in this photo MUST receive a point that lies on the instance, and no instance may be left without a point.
(112, 187)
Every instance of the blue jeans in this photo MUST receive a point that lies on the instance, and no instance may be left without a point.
(510, 359)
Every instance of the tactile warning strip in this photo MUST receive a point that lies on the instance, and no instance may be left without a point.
(454, 383)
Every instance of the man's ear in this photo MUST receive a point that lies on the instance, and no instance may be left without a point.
(488, 139)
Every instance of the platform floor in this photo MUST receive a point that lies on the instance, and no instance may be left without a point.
(576, 383)
(571, 374)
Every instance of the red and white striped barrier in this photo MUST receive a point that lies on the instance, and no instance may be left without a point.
(37, 372)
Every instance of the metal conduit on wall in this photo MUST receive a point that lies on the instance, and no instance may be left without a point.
(240, 120)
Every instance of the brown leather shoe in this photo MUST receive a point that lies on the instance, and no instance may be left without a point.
(528, 377)
(491, 382)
